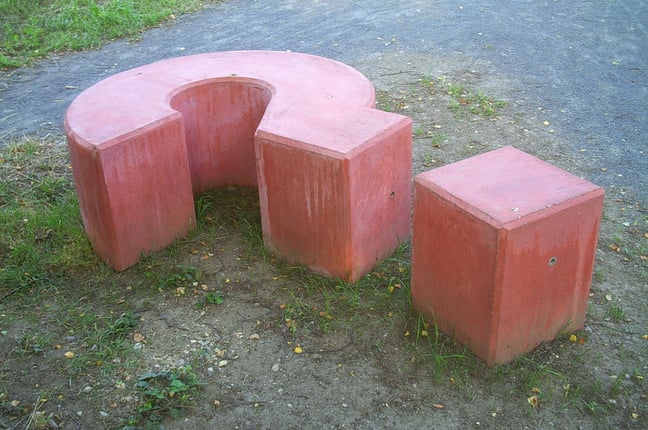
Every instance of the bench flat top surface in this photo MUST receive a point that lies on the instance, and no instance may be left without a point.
(140, 97)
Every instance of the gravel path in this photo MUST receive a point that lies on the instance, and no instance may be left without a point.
(583, 63)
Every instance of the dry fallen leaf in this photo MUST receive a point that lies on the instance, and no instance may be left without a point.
(438, 406)
(533, 401)
(138, 337)
(69, 354)
(573, 338)
(298, 350)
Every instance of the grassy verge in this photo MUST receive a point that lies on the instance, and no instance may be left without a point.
(31, 29)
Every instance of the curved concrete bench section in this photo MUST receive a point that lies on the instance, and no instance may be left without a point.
(333, 173)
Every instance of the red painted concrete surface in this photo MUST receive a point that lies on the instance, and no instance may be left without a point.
(503, 251)
(333, 173)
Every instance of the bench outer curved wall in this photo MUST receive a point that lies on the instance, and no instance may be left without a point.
(334, 174)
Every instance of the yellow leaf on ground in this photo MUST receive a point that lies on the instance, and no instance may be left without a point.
(298, 350)
(533, 401)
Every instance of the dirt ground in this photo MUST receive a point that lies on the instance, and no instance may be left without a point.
(366, 372)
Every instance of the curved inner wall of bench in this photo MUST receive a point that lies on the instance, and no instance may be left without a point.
(220, 117)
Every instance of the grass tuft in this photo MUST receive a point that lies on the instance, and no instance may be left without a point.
(33, 29)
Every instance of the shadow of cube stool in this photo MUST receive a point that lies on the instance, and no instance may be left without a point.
(503, 251)
(334, 174)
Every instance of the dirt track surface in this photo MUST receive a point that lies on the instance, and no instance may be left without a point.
(574, 76)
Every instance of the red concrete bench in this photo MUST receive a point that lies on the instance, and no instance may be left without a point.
(503, 250)
(333, 173)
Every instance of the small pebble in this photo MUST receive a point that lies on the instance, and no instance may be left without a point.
(275, 367)
(87, 389)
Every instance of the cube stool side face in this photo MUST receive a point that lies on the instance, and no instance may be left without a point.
(546, 276)
(453, 269)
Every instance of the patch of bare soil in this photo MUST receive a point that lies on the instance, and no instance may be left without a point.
(283, 351)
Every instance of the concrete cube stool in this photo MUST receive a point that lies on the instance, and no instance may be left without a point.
(503, 251)
(334, 174)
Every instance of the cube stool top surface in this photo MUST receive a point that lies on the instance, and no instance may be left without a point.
(505, 185)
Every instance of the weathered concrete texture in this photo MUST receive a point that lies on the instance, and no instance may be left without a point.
(503, 251)
(334, 174)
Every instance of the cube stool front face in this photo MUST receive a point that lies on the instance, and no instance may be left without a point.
(503, 251)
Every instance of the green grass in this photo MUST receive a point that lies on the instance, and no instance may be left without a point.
(477, 103)
(31, 29)
(319, 304)
(41, 236)
(167, 392)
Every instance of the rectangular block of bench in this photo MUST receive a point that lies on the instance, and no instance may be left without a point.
(503, 251)
(134, 197)
(352, 196)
